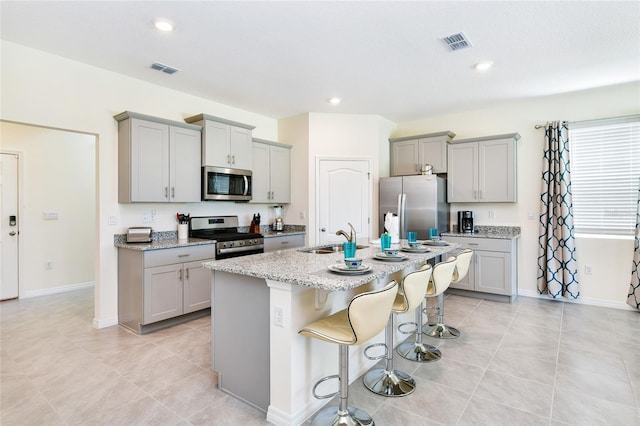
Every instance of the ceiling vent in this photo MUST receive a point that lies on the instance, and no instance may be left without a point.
(164, 68)
(457, 41)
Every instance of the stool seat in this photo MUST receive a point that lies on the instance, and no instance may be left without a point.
(364, 318)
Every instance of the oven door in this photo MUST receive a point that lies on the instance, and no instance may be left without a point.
(221, 184)
(228, 253)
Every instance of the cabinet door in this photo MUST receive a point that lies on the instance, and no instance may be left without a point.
(162, 293)
(462, 178)
(185, 148)
(496, 174)
(261, 171)
(149, 161)
(433, 152)
(492, 272)
(280, 174)
(215, 148)
(241, 148)
(197, 287)
(404, 158)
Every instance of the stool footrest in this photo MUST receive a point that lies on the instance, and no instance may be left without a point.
(319, 382)
(377, 357)
(414, 327)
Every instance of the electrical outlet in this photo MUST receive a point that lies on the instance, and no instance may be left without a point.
(278, 316)
(49, 264)
(145, 218)
(153, 216)
(302, 215)
(530, 216)
(492, 214)
(587, 269)
(111, 220)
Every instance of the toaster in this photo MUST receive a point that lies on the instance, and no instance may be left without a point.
(139, 234)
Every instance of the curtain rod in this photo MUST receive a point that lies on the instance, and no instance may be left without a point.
(598, 121)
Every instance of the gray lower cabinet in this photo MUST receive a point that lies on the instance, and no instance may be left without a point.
(493, 270)
(159, 285)
(283, 242)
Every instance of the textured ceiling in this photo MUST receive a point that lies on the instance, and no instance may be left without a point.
(387, 58)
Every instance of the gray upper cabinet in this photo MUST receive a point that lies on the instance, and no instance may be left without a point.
(158, 160)
(271, 172)
(482, 170)
(225, 143)
(409, 154)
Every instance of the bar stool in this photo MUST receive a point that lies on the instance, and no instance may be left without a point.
(417, 350)
(364, 318)
(387, 381)
(439, 330)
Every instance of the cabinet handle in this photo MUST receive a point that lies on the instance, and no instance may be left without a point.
(233, 159)
(480, 197)
(228, 159)
(284, 242)
(473, 244)
(186, 274)
(180, 274)
(166, 192)
(184, 255)
(173, 192)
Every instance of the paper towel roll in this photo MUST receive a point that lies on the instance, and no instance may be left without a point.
(392, 226)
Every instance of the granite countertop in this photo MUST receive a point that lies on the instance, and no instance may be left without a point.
(310, 269)
(288, 230)
(159, 241)
(498, 232)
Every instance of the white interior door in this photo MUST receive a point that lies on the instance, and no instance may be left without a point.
(343, 197)
(9, 228)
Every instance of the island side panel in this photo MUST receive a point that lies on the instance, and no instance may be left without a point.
(240, 340)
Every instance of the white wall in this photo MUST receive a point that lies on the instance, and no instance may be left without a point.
(64, 187)
(69, 95)
(610, 258)
(355, 136)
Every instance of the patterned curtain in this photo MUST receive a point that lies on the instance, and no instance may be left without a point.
(557, 266)
(634, 290)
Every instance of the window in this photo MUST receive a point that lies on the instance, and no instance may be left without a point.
(605, 175)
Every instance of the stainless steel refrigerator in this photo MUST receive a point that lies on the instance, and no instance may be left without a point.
(419, 201)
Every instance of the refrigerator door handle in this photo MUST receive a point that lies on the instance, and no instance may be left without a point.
(402, 213)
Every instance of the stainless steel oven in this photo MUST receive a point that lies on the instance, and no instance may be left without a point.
(222, 184)
(229, 241)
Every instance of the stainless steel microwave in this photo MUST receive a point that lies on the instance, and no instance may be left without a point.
(222, 184)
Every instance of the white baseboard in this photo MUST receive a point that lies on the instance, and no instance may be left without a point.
(103, 323)
(56, 290)
(580, 301)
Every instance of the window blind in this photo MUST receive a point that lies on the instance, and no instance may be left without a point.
(605, 175)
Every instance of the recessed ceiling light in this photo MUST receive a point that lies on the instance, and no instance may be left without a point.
(483, 66)
(335, 101)
(163, 25)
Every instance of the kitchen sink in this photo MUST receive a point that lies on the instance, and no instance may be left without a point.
(328, 249)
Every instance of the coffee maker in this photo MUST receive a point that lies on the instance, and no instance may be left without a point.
(278, 222)
(465, 221)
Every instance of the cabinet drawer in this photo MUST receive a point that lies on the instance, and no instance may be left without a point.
(487, 244)
(179, 255)
(282, 243)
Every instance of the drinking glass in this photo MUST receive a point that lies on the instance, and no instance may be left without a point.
(349, 250)
(433, 233)
(385, 241)
(412, 236)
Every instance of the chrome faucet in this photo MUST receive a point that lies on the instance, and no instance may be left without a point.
(351, 237)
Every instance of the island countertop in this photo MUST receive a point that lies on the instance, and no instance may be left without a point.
(294, 266)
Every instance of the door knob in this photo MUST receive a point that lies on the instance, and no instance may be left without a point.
(323, 229)
(12, 233)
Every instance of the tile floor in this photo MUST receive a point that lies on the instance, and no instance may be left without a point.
(534, 362)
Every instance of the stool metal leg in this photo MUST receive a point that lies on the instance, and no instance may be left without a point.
(387, 381)
(416, 350)
(343, 415)
(439, 330)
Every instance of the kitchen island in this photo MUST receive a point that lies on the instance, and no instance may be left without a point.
(259, 304)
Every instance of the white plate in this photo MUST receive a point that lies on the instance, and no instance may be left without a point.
(435, 243)
(390, 258)
(343, 269)
(419, 249)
